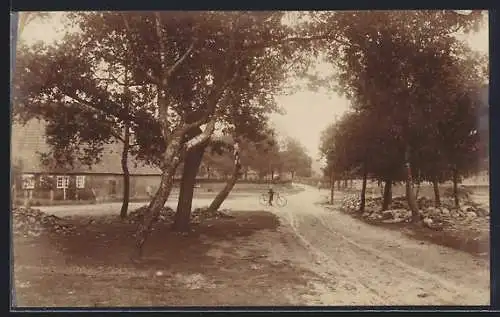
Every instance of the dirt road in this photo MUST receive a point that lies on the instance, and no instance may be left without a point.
(366, 265)
(357, 264)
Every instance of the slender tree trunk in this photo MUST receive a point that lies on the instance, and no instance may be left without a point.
(363, 190)
(418, 181)
(387, 194)
(417, 192)
(437, 198)
(170, 163)
(332, 187)
(455, 188)
(345, 182)
(338, 184)
(350, 183)
(222, 195)
(126, 173)
(410, 195)
(192, 164)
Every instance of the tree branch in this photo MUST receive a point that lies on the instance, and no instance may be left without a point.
(180, 60)
(117, 136)
(152, 78)
(202, 137)
(163, 62)
(303, 39)
(88, 106)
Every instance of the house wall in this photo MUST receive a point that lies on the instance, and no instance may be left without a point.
(97, 187)
(107, 187)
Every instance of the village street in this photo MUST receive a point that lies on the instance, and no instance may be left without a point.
(359, 264)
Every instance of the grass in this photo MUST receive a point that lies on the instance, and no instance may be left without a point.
(219, 263)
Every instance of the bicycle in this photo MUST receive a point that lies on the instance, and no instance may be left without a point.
(279, 200)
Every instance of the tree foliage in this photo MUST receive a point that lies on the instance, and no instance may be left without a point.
(414, 88)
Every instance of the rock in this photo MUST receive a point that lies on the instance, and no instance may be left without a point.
(428, 222)
(445, 211)
(465, 208)
(387, 214)
(395, 220)
(471, 214)
(482, 212)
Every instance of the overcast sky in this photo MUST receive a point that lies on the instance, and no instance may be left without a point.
(307, 112)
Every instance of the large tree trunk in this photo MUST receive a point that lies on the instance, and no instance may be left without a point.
(332, 187)
(387, 194)
(363, 190)
(437, 198)
(455, 188)
(192, 164)
(222, 195)
(126, 173)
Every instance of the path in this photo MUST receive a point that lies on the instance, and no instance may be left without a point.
(359, 264)
(368, 265)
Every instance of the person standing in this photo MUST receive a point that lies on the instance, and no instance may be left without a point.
(271, 194)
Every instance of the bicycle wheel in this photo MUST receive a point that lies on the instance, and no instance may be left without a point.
(264, 200)
(281, 201)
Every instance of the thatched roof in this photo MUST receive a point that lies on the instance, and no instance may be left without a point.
(27, 141)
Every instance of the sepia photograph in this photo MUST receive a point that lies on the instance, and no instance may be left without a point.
(249, 158)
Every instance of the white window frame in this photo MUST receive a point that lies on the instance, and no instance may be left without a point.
(28, 181)
(80, 181)
(62, 181)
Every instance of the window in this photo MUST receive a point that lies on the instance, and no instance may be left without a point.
(112, 187)
(28, 181)
(80, 181)
(62, 181)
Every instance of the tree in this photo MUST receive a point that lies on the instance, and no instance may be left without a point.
(377, 67)
(194, 65)
(296, 161)
(74, 87)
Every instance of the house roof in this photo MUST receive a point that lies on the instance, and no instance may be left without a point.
(27, 141)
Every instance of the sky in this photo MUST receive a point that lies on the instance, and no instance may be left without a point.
(307, 112)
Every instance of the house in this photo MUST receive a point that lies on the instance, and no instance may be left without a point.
(103, 181)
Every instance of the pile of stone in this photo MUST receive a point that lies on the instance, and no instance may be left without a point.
(33, 222)
(136, 216)
(200, 214)
(167, 215)
(436, 218)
